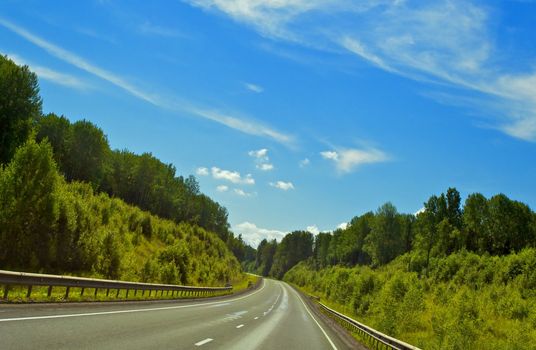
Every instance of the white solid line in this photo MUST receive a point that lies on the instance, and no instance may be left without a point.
(128, 311)
(203, 342)
(314, 319)
(240, 326)
(256, 318)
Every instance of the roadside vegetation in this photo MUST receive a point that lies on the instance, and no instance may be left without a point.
(452, 276)
(71, 205)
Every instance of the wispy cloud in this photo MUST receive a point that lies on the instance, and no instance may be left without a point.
(253, 235)
(222, 188)
(148, 28)
(304, 162)
(246, 126)
(81, 63)
(348, 159)
(254, 88)
(51, 75)
(265, 166)
(232, 176)
(282, 185)
(449, 43)
(243, 125)
(242, 193)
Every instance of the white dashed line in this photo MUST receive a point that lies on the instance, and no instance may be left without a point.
(203, 342)
(256, 318)
(240, 326)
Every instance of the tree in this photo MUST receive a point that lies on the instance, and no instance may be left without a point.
(88, 151)
(28, 210)
(294, 247)
(265, 256)
(385, 241)
(57, 130)
(20, 106)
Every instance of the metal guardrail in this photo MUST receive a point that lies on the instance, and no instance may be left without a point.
(10, 278)
(376, 339)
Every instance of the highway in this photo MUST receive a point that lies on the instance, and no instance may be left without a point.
(274, 316)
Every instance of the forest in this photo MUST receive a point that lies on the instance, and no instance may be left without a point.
(69, 204)
(453, 276)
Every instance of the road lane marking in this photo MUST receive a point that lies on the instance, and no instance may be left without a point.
(314, 319)
(128, 311)
(240, 326)
(203, 342)
(256, 318)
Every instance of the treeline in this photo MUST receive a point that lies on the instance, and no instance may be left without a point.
(48, 224)
(82, 153)
(494, 226)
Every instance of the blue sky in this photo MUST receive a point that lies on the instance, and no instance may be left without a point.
(298, 114)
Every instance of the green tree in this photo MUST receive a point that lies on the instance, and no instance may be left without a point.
(57, 130)
(385, 241)
(294, 247)
(20, 106)
(88, 151)
(28, 210)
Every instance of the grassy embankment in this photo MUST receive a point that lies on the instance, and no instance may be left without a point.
(466, 301)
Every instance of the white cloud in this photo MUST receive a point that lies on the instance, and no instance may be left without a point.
(420, 211)
(330, 155)
(347, 160)
(243, 125)
(248, 180)
(262, 159)
(50, 74)
(342, 226)
(265, 166)
(242, 193)
(253, 235)
(451, 42)
(313, 229)
(222, 188)
(173, 103)
(282, 185)
(304, 162)
(261, 154)
(232, 176)
(254, 88)
(202, 171)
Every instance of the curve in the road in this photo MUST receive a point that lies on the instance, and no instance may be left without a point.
(272, 317)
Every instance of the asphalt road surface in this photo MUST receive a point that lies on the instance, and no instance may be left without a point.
(274, 316)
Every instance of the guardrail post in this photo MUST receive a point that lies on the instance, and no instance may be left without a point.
(117, 294)
(150, 293)
(82, 291)
(49, 293)
(6, 291)
(67, 292)
(107, 292)
(96, 291)
(126, 296)
(29, 291)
